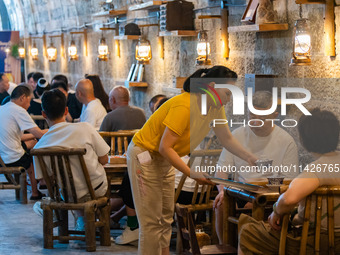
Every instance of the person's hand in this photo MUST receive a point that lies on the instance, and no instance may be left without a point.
(218, 199)
(204, 181)
(274, 221)
(252, 159)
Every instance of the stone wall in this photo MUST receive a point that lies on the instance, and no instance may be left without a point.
(260, 53)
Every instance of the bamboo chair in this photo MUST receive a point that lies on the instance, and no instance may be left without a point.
(40, 121)
(63, 196)
(119, 140)
(16, 179)
(187, 232)
(315, 199)
(202, 199)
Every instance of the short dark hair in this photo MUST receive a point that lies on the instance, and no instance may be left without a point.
(36, 76)
(214, 72)
(59, 84)
(53, 103)
(62, 78)
(21, 90)
(30, 75)
(319, 132)
(154, 99)
(162, 101)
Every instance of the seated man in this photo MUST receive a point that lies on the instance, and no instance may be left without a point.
(93, 111)
(74, 135)
(74, 106)
(6, 87)
(13, 143)
(319, 135)
(154, 102)
(36, 77)
(124, 117)
(267, 139)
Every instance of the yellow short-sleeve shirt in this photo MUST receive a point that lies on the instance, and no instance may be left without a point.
(177, 115)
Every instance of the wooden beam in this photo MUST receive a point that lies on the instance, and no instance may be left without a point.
(117, 48)
(209, 17)
(329, 29)
(161, 47)
(44, 46)
(258, 28)
(309, 1)
(224, 33)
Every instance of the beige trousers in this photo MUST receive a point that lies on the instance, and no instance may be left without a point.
(153, 188)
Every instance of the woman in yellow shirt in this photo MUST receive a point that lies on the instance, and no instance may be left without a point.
(174, 130)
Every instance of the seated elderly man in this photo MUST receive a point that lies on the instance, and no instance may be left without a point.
(74, 135)
(123, 117)
(265, 140)
(93, 111)
(319, 135)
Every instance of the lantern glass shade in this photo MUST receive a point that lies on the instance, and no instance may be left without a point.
(203, 49)
(301, 43)
(72, 51)
(22, 52)
(103, 50)
(52, 53)
(143, 51)
(34, 52)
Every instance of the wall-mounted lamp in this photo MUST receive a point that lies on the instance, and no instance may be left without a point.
(84, 33)
(22, 52)
(143, 51)
(103, 50)
(301, 43)
(34, 52)
(52, 52)
(203, 49)
(73, 51)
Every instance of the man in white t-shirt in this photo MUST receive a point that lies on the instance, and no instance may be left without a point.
(93, 111)
(14, 121)
(262, 139)
(74, 135)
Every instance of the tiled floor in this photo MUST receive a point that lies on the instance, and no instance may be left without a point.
(21, 232)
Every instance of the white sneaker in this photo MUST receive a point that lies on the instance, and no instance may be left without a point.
(128, 236)
(37, 209)
(80, 226)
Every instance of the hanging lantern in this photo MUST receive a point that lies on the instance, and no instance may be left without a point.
(52, 53)
(302, 44)
(22, 52)
(143, 51)
(72, 51)
(34, 52)
(203, 49)
(103, 50)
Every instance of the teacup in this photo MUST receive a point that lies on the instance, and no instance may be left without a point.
(275, 180)
(264, 162)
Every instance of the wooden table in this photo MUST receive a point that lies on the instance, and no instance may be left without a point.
(115, 173)
(259, 198)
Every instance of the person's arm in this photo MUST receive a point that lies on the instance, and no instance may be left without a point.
(298, 189)
(103, 159)
(229, 142)
(37, 132)
(166, 149)
(27, 137)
